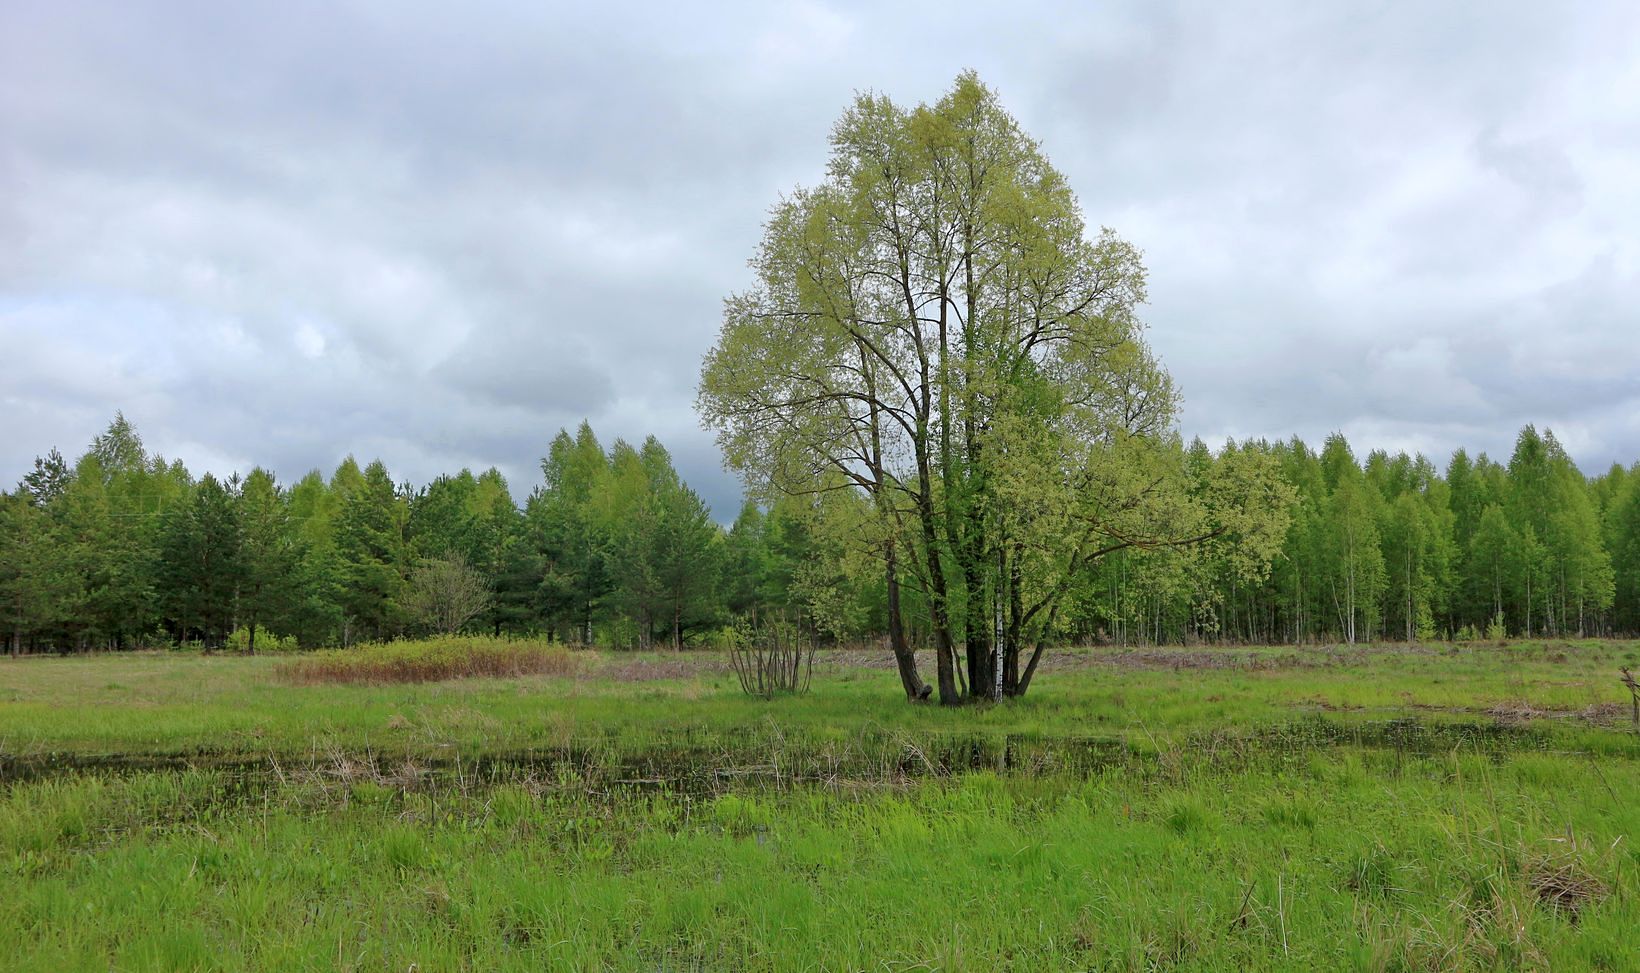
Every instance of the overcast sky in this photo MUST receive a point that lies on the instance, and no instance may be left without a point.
(435, 234)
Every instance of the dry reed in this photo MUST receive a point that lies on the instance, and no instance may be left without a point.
(432, 660)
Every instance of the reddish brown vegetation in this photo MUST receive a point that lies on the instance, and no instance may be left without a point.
(431, 661)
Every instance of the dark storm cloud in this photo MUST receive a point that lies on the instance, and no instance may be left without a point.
(437, 234)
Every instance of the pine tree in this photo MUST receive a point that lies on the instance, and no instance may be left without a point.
(203, 562)
(271, 556)
(374, 554)
(567, 528)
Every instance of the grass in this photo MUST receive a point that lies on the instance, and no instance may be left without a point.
(1269, 809)
(228, 705)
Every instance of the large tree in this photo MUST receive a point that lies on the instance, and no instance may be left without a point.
(935, 328)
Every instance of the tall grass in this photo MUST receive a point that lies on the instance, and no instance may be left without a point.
(1447, 862)
(431, 660)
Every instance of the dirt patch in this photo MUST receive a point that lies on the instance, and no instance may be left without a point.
(1154, 658)
(1180, 659)
(1509, 713)
(1327, 705)
(1515, 712)
(1607, 714)
(1520, 711)
(684, 665)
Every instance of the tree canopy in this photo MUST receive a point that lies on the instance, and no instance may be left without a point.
(935, 328)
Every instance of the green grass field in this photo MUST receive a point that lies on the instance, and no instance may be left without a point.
(1380, 808)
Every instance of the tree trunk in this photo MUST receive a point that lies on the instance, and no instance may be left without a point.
(950, 480)
(904, 658)
(939, 607)
(938, 594)
(939, 617)
(1036, 655)
(978, 645)
(1528, 604)
(1016, 626)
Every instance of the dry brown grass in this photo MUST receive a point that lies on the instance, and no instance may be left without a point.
(1563, 879)
(432, 660)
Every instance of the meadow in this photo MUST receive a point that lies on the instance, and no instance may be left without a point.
(1441, 807)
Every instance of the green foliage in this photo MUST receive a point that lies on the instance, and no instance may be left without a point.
(240, 640)
(121, 545)
(372, 543)
(616, 548)
(935, 330)
(202, 560)
(445, 594)
(628, 549)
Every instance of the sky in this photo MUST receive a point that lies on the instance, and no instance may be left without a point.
(279, 234)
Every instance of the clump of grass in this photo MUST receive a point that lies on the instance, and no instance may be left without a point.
(1187, 815)
(1372, 872)
(431, 660)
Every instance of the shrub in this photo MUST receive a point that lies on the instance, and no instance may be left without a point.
(266, 641)
(446, 593)
(773, 660)
(432, 660)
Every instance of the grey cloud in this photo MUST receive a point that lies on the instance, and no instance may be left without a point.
(280, 234)
(514, 370)
(1538, 166)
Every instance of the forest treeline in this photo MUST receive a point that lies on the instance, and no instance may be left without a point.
(122, 549)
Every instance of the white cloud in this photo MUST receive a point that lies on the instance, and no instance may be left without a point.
(309, 340)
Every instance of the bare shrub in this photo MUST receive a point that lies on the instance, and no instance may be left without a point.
(772, 660)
